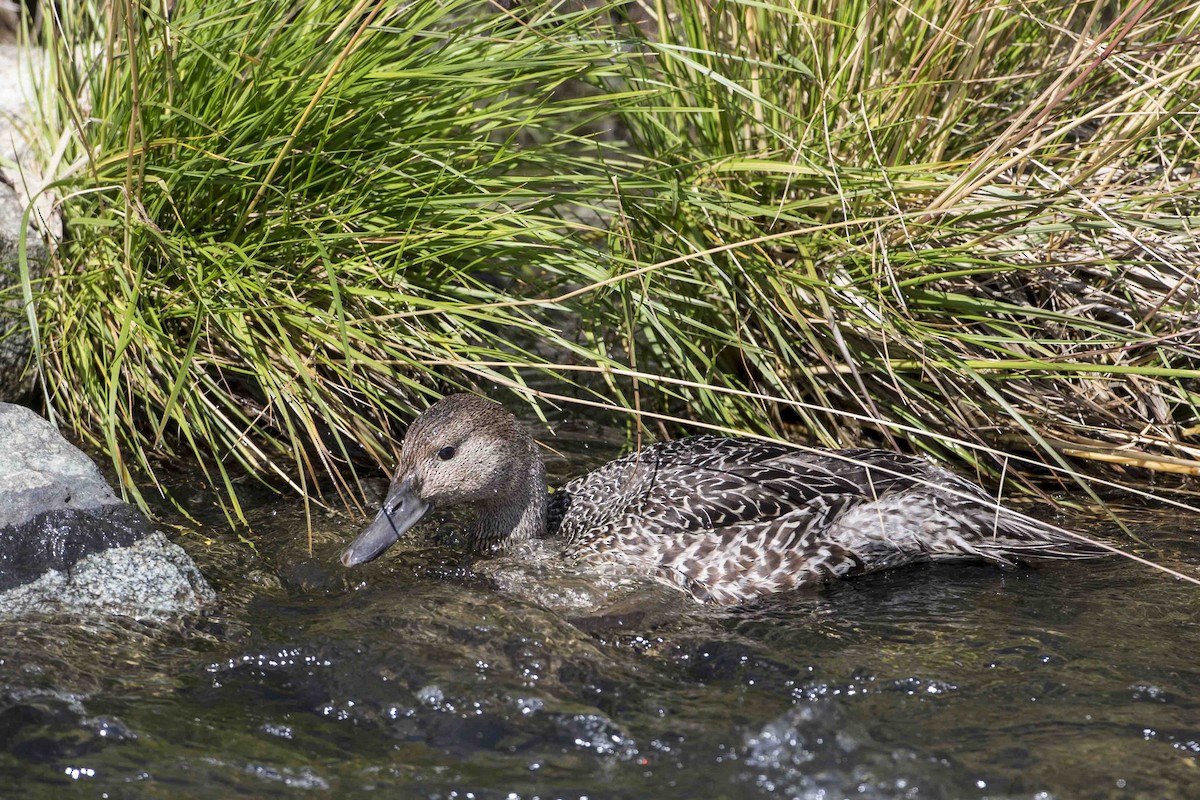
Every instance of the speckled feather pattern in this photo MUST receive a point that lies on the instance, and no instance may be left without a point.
(730, 519)
(725, 519)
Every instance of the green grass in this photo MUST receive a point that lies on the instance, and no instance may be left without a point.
(276, 219)
(955, 227)
(965, 226)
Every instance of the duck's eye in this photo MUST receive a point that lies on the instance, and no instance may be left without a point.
(446, 453)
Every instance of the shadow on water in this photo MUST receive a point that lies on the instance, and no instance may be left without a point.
(427, 675)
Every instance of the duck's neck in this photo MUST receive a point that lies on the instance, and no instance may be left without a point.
(517, 516)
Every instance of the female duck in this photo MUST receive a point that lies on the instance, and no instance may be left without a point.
(725, 519)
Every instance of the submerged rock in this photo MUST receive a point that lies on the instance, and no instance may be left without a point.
(68, 544)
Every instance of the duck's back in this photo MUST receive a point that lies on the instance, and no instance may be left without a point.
(729, 519)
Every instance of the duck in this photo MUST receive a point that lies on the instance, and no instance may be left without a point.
(725, 519)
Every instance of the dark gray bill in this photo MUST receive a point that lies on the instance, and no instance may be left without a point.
(402, 510)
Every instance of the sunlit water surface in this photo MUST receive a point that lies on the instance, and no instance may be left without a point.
(427, 675)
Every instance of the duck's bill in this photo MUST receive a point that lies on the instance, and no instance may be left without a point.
(401, 511)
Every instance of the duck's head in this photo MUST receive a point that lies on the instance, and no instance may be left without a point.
(464, 450)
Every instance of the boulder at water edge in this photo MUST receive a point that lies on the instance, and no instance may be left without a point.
(68, 544)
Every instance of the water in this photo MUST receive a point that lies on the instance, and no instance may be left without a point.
(426, 675)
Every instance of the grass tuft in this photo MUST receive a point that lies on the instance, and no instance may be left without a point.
(279, 213)
(953, 227)
(958, 228)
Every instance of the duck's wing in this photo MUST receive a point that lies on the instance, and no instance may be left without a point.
(729, 519)
(711, 483)
(708, 483)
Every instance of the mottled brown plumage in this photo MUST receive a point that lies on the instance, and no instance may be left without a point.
(725, 519)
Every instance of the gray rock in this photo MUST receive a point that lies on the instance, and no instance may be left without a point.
(41, 472)
(150, 578)
(67, 544)
(16, 341)
(20, 182)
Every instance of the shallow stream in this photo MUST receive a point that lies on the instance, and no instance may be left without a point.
(426, 675)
